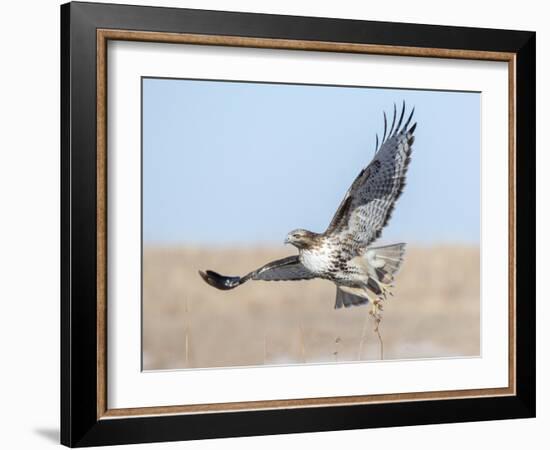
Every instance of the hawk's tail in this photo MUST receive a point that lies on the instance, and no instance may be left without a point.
(383, 264)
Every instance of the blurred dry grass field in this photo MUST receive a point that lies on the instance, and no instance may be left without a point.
(435, 312)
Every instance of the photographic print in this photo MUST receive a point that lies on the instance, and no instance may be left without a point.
(292, 224)
(262, 214)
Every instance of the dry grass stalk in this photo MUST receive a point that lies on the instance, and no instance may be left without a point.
(375, 313)
(363, 336)
(186, 347)
(336, 342)
(265, 348)
(377, 331)
(186, 312)
(302, 343)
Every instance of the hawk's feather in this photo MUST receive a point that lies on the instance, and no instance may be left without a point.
(289, 268)
(369, 202)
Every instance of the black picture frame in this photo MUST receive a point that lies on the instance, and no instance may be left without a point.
(80, 425)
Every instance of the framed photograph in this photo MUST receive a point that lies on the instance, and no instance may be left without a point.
(277, 224)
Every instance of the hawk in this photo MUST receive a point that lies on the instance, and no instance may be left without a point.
(344, 253)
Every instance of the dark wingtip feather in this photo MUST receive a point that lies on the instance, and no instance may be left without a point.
(408, 120)
(393, 120)
(206, 277)
(400, 118)
(219, 281)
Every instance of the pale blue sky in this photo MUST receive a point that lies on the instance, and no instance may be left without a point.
(244, 163)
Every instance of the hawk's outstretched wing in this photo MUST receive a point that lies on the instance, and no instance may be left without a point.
(368, 204)
(285, 269)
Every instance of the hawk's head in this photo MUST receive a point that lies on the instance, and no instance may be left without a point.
(302, 238)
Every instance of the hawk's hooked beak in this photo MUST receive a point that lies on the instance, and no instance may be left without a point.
(287, 240)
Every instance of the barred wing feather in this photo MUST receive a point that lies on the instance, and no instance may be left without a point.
(369, 202)
(284, 269)
(289, 268)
